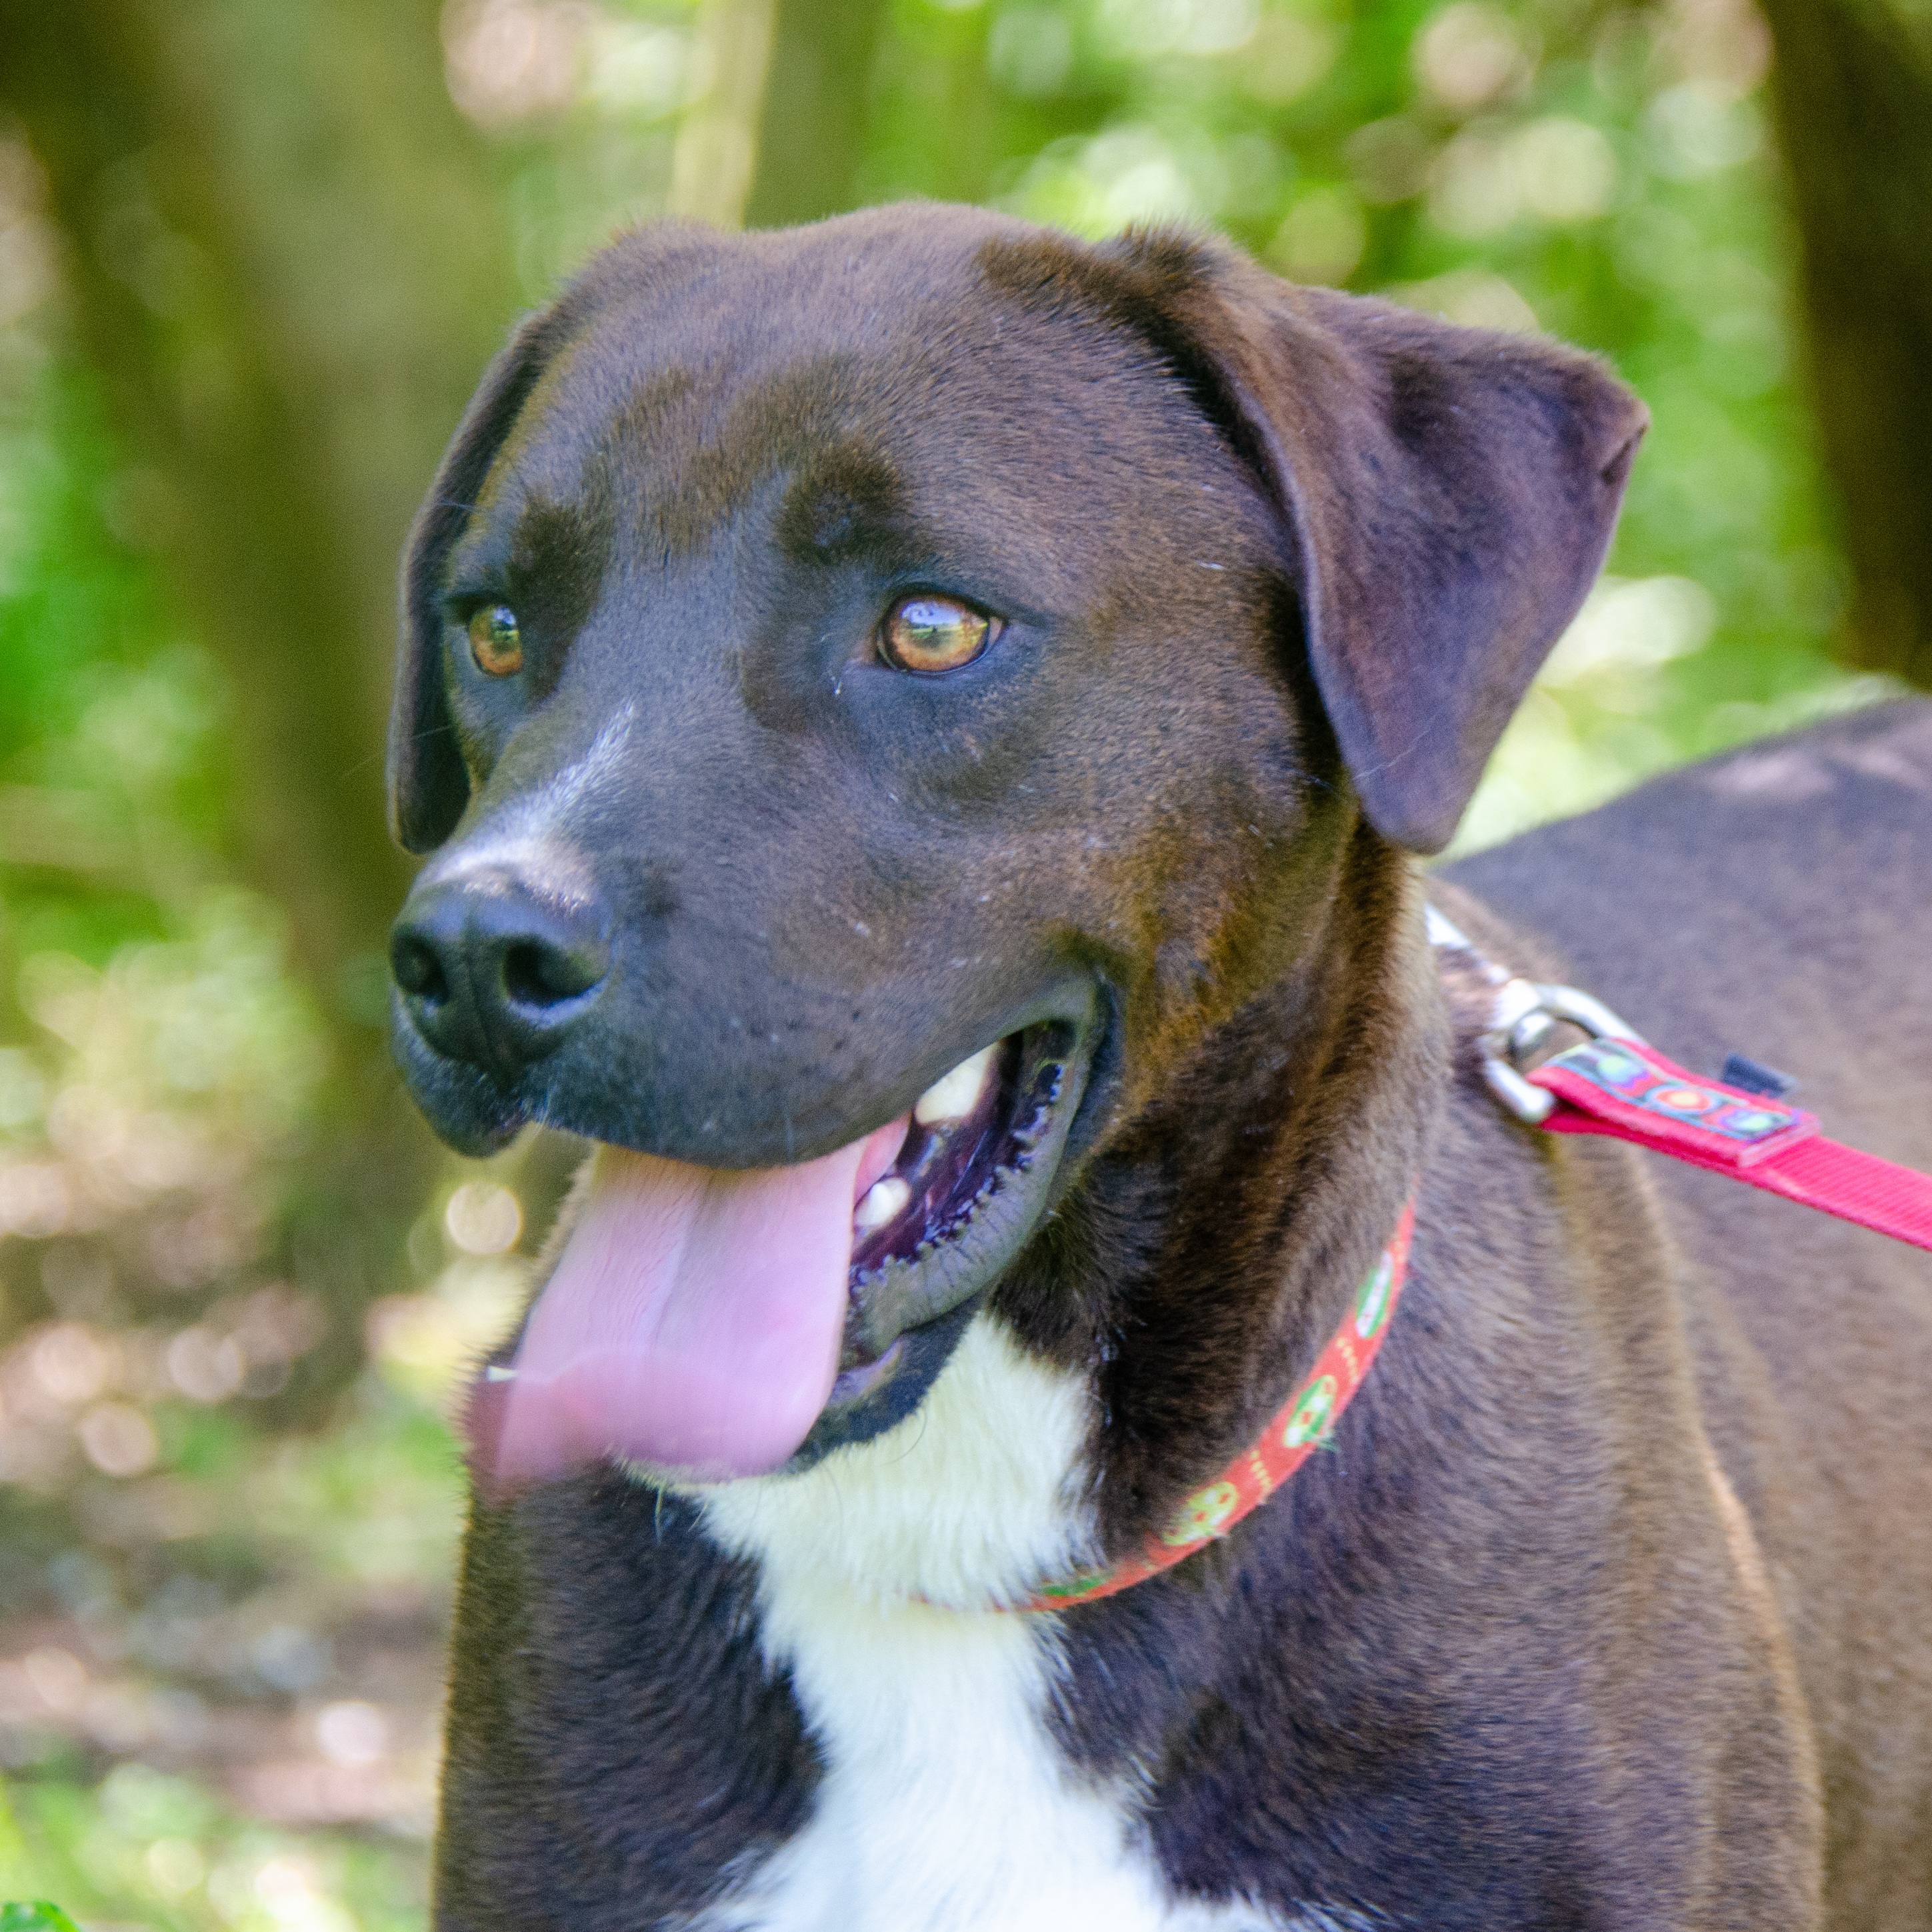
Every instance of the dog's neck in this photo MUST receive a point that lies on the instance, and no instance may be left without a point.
(1195, 1276)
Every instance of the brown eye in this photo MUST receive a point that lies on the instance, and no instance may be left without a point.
(925, 633)
(495, 642)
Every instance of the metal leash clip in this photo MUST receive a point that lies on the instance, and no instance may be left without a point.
(1524, 1011)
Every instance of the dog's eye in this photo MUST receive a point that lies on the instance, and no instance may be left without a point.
(495, 641)
(927, 633)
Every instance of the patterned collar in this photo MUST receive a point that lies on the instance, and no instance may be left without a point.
(1304, 1424)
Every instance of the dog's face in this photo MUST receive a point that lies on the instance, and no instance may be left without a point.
(881, 695)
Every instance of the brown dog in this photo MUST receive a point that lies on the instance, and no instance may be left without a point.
(922, 726)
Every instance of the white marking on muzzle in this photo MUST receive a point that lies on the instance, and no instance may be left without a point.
(530, 834)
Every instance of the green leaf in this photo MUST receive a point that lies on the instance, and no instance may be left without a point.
(17, 1915)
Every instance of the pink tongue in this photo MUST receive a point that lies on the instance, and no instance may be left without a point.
(693, 1321)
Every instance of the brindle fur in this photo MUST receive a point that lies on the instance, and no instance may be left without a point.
(1511, 1654)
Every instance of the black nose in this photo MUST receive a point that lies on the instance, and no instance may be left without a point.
(492, 973)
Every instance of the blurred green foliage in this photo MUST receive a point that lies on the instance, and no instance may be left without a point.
(143, 1841)
(39, 1915)
(109, 736)
(182, 1562)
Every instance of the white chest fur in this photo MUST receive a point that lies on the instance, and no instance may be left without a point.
(946, 1805)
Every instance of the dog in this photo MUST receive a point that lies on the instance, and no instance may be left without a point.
(923, 729)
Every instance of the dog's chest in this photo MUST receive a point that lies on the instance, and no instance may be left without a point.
(945, 1803)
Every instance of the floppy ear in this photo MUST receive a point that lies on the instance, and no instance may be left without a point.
(428, 783)
(1449, 494)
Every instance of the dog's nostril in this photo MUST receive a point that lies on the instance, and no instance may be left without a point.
(538, 974)
(417, 970)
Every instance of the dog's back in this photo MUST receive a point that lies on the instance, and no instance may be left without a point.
(1778, 902)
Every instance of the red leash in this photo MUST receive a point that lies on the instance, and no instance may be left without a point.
(1622, 1088)
(1617, 1084)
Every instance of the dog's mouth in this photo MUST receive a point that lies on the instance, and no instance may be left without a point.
(921, 1232)
(707, 1324)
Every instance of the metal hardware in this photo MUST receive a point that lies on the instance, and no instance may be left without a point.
(1524, 1011)
(1754, 1077)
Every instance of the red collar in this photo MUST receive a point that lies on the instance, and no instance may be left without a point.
(1305, 1423)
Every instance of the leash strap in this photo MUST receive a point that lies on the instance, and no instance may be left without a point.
(1617, 1084)
(1627, 1090)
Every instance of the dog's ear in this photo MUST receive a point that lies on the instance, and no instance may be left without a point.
(429, 785)
(1448, 494)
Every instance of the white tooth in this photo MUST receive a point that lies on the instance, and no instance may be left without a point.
(879, 1203)
(953, 1096)
(497, 1372)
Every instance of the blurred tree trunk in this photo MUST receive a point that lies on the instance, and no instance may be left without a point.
(286, 262)
(1853, 90)
(811, 131)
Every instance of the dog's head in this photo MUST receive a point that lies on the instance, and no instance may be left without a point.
(878, 696)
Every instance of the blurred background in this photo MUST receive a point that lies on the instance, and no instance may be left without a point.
(254, 254)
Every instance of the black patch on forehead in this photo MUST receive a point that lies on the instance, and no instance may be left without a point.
(690, 444)
(548, 566)
(846, 502)
(662, 410)
(758, 429)
(558, 558)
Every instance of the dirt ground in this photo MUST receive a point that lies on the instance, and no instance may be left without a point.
(221, 1643)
